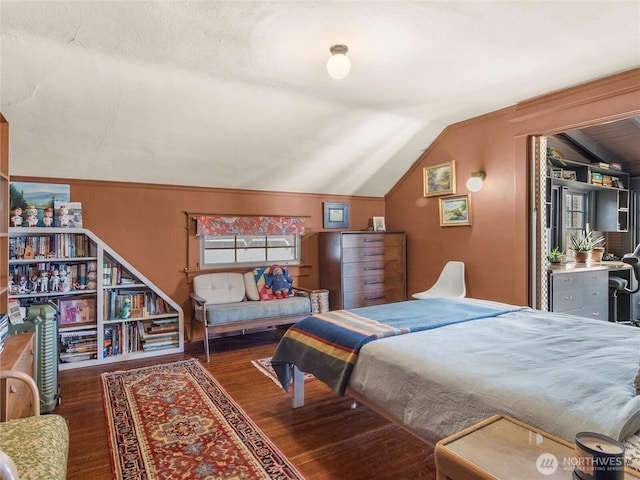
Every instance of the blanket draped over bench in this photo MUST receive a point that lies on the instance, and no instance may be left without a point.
(330, 342)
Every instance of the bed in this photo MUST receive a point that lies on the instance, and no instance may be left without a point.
(437, 366)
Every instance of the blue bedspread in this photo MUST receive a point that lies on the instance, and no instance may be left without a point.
(328, 344)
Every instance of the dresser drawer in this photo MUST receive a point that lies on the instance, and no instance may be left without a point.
(366, 269)
(593, 295)
(566, 281)
(566, 300)
(598, 279)
(373, 296)
(357, 240)
(373, 253)
(366, 283)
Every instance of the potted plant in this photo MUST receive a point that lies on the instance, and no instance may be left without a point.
(555, 255)
(582, 243)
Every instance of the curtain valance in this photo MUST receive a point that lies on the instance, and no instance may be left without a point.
(248, 225)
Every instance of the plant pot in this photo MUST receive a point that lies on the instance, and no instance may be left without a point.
(596, 254)
(582, 256)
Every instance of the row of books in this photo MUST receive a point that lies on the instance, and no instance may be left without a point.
(120, 303)
(113, 275)
(78, 345)
(140, 336)
(57, 245)
(4, 329)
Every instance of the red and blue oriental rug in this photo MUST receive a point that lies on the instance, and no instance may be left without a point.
(174, 421)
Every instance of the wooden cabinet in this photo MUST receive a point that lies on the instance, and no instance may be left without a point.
(363, 268)
(16, 397)
(582, 293)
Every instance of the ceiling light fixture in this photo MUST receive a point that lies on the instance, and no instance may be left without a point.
(338, 64)
(476, 180)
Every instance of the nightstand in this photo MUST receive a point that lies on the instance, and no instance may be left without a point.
(504, 448)
(17, 355)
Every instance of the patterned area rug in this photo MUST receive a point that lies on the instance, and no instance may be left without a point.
(174, 421)
(264, 365)
(632, 452)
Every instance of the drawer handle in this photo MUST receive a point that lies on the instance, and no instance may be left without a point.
(374, 298)
(568, 297)
(595, 294)
(368, 269)
(374, 282)
(373, 254)
(372, 240)
(12, 389)
(568, 280)
(596, 314)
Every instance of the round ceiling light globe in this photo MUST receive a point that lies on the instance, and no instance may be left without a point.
(338, 66)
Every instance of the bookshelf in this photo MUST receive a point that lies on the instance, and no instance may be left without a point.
(4, 218)
(107, 310)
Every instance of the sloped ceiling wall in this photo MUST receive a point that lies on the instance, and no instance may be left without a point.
(236, 94)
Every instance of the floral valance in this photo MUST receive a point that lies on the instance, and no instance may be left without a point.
(248, 225)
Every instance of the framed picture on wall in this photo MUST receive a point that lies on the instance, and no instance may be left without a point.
(440, 179)
(77, 311)
(455, 211)
(336, 215)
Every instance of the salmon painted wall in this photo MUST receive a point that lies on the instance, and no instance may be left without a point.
(147, 225)
(495, 247)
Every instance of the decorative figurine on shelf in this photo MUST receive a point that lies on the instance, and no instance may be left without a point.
(126, 308)
(43, 282)
(48, 217)
(28, 252)
(279, 281)
(16, 217)
(64, 281)
(64, 217)
(34, 282)
(32, 216)
(54, 281)
(23, 285)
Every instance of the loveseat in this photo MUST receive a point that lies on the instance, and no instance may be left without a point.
(35, 447)
(234, 301)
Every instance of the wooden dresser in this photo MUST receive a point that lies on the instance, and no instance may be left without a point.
(15, 401)
(363, 268)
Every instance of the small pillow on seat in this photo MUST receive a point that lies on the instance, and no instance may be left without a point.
(251, 287)
(218, 288)
(264, 292)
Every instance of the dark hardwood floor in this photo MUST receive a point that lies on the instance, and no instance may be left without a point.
(326, 439)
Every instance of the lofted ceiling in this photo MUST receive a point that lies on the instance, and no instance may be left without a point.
(235, 94)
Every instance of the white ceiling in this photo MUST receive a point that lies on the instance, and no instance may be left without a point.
(235, 94)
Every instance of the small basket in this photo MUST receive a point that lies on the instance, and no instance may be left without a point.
(319, 301)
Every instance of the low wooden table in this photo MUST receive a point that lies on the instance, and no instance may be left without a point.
(504, 448)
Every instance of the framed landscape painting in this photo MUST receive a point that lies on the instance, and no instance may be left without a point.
(455, 211)
(440, 179)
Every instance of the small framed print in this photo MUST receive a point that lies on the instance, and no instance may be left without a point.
(77, 311)
(336, 215)
(440, 179)
(378, 224)
(455, 211)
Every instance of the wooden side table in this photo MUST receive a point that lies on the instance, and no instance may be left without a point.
(504, 448)
(15, 398)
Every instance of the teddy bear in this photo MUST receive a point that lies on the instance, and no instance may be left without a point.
(279, 281)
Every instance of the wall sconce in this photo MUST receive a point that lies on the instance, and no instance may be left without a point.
(338, 64)
(476, 180)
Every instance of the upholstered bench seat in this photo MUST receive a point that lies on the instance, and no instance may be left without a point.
(235, 312)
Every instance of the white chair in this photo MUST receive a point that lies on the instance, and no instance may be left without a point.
(450, 283)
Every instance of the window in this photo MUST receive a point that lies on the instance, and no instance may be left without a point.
(575, 213)
(249, 250)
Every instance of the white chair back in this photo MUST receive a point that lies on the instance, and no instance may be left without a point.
(450, 283)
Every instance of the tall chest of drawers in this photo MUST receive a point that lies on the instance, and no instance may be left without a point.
(582, 293)
(363, 268)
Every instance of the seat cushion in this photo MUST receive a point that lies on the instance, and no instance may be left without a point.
(37, 445)
(219, 288)
(235, 312)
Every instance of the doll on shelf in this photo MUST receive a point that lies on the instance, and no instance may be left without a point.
(48, 217)
(16, 217)
(43, 282)
(32, 216)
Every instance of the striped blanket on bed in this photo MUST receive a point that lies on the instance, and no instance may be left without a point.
(328, 344)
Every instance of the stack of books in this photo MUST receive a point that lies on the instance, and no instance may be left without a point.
(4, 329)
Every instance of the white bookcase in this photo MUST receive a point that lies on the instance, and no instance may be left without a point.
(107, 310)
